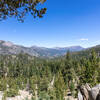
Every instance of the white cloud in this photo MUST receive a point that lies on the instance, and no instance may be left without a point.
(84, 39)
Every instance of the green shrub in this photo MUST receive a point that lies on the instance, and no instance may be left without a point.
(4, 95)
(12, 93)
(3, 85)
(72, 88)
(13, 88)
(20, 83)
(44, 96)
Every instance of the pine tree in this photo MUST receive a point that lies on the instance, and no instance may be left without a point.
(68, 69)
(60, 86)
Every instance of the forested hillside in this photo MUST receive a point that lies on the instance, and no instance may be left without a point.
(49, 79)
(87, 52)
(47, 54)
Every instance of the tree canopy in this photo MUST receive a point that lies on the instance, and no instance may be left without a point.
(20, 8)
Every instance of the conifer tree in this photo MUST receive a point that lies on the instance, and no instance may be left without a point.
(60, 86)
(67, 71)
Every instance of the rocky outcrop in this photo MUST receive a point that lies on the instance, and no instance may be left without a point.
(24, 95)
(87, 93)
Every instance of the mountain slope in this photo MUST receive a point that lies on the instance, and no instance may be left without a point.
(54, 52)
(87, 52)
(10, 48)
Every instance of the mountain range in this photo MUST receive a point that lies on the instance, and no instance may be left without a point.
(7, 47)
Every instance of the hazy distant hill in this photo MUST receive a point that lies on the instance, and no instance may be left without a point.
(10, 48)
(87, 52)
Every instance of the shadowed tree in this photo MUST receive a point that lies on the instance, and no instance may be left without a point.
(20, 8)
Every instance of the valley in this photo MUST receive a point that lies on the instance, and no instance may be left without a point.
(10, 48)
(41, 78)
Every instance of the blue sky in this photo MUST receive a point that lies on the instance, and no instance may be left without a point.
(66, 23)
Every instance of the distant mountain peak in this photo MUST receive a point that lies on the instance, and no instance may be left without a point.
(7, 47)
(1, 41)
(69, 47)
(8, 43)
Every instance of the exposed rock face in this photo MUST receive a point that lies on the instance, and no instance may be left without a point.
(70, 98)
(1, 95)
(9, 44)
(98, 96)
(84, 92)
(80, 97)
(24, 95)
(87, 93)
(94, 92)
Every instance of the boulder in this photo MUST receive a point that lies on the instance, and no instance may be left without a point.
(87, 93)
(94, 92)
(98, 96)
(80, 97)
